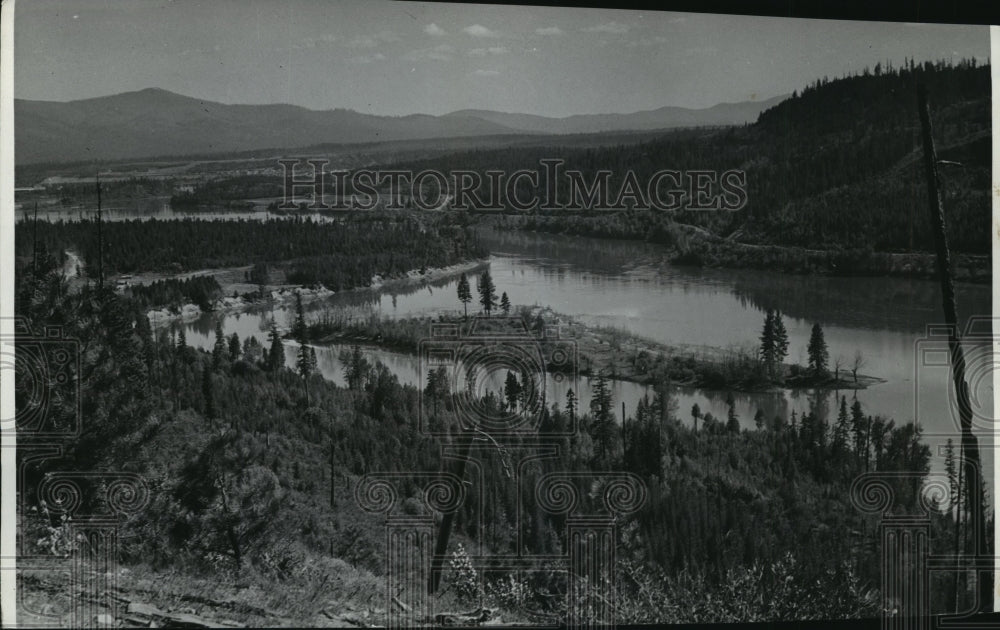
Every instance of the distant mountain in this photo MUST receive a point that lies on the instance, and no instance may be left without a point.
(155, 122)
(662, 118)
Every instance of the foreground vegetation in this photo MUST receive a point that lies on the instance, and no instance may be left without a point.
(251, 465)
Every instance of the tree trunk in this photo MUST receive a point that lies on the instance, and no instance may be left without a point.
(977, 512)
(447, 522)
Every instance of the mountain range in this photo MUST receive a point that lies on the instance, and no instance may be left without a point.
(156, 122)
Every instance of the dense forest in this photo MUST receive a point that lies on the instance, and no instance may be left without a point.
(251, 464)
(230, 192)
(836, 166)
(338, 255)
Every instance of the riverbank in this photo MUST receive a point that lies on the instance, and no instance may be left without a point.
(689, 245)
(709, 250)
(240, 296)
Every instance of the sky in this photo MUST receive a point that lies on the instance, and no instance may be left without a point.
(398, 58)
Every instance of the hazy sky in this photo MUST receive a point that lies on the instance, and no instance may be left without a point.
(409, 57)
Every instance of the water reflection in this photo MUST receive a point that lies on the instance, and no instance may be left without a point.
(629, 286)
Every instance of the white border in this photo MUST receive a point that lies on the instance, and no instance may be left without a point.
(8, 439)
(995, 238)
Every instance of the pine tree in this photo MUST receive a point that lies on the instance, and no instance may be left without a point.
(464, 293)
(304, 364)
(276, 354)
(818, 352)
(841, 429)
(695, 414)
(600, 409)
(780, 342)
(234, 347)
(487, 292)
(505, 303)
(758, 419)
(767, 342)
(181, 337)
(219, 348)
(356, 368)
(571, 404)
(512, 391)
(858, 428)
(299, 329)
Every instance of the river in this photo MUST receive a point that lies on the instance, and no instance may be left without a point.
(632, 286)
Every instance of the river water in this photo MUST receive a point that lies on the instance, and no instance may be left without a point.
(632, 286)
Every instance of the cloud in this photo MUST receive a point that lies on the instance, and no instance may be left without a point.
(434, 30)
(549, 30)
(441, 52)
(478, 30)
(367, 58)
(492, 50)
(485, 73)
(608, 27)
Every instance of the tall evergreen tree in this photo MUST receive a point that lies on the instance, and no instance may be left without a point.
(464, 293)
(356, 368)
(219, 348)
(780, 342)
(841, 429)
(767, 342)
(505, 303)
(276, 353)
(512, 391)
(235, 350)
(487, 292)
(305, 363)
(603, 419)
(858, 428)
(818, 352)
(571, 404)
(299, 329)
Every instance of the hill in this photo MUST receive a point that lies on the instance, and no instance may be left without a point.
(723, 114)
(836, 167)
(156, 122)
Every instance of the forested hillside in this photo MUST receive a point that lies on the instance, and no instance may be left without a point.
(251, 465)
(837, 166)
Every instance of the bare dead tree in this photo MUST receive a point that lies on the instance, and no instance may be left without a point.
(970, 444)
(100, 240)
(857, 363)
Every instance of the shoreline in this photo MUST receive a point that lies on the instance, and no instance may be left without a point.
(715, 252)
(601, 348)
(281, 295)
